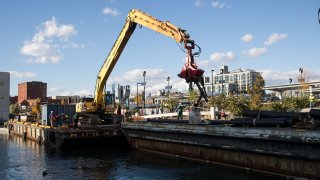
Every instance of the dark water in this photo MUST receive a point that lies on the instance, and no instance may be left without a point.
(27, 160)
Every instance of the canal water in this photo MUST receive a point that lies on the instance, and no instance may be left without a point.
(24, 160)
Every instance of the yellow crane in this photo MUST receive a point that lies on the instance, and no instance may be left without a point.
(190, 71)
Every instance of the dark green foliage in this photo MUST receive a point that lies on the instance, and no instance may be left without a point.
(14, 108)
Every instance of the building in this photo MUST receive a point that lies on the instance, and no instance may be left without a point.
(13, 99)
(225, 82)
(63, 99)
(4, 96)
(32, 90)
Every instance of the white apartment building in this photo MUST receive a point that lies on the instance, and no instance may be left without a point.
(225, 82)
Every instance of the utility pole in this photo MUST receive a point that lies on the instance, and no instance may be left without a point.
(212, 83)
(290, 81)
(144, 89)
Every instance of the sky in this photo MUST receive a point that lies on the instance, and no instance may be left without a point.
(64, 43)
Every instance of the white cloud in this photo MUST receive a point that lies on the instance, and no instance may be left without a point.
(199, 3)
(275, 37)
(58, 91)
(273, 77)
(42, 48)
(22, 74)
(110, 11)
(156, 80)
(52, 29)
(202, 63)
(270, 75)
(181, 86)
(42, 52)
(219, 56)
(247, 38)
(218, 4)
(135, 75)
(254, 52)
(74, 45)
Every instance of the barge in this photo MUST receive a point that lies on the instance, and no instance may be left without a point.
(284, 151)
(59, 137)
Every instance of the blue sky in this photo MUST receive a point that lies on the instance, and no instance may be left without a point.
(64, 43)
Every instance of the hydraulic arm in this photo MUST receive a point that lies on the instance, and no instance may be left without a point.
(190, 72)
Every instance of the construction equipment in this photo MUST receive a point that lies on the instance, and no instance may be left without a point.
(190, 71)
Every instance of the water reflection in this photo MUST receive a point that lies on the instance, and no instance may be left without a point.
(28, 160)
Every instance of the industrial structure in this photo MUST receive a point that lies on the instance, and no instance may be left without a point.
(104, 102)
(295, 89)
(225, 82)
(4, 96)
(32, 90)
(284, 143)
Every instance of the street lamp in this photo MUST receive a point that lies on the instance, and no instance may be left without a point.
(144, 88)
(212, 83)
(168, 87)
(290, 81)
(301, 72)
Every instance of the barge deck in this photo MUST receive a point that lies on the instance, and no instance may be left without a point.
(86, 136)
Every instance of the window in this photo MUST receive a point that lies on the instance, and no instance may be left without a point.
(208, 89)
(206, 80)
(227, 78)
(231, 78)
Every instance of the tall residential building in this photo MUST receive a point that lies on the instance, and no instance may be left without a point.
(238, 81)
(4, 96)
(32, 90)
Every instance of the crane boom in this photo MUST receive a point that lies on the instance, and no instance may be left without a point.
(136, 17)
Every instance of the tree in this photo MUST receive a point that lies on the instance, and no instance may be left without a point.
(193, 96)
(234, 104)
(237, 104)
(171, 104)
(220, 101)
(256, 93)
(14, 108)
(138, 99)
(292, 104)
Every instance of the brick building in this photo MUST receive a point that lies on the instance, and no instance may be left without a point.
(32, 90)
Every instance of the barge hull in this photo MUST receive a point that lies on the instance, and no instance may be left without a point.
(258, 149)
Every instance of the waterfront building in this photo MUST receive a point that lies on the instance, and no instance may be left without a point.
(4, 96)
(32, 90)
(225, 82)
(63, 99)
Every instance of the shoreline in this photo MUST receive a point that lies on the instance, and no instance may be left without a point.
(3, 129)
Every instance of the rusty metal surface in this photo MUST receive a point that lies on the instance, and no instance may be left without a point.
(282, 151)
